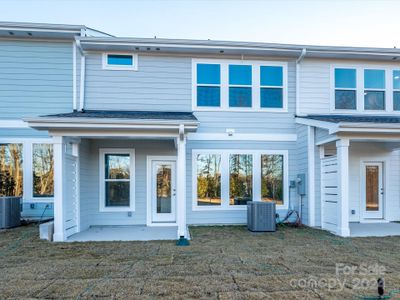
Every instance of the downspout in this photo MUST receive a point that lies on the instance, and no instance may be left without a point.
(74, 96)
(298, 61)
(82, 77)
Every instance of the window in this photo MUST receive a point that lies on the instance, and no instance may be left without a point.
(43, 170)
(271, 82)
(240, 82)
(396, 90)
(272, 178)
(208, 179)
(345, 89)
(227, 179)
(116, 183)
(118, 61)
(11, 170)
(374, 89)
(239, 85)
(240, 179)
(208, 85)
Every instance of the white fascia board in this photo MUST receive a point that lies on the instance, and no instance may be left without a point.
(114, 121)
(13, 124)
(369, 125)
(331, 127)
(267, 137)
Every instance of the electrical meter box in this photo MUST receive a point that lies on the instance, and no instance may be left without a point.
(301, 184)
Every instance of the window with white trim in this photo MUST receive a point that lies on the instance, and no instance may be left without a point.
(396, 90)
(11, 170)
(208, 179)
(117, 179)
(27, 169)
(228, 179)
(374, 89)
(345, 89)
(271, 86)
(239, 85)
(208, 87)
(120, 61)
(43, 170)
(365, 88)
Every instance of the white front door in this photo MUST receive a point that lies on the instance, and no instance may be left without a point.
(372, 190)
(163, 191)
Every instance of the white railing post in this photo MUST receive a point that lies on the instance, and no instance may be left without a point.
(181, 184)
(59, 213)
(343, 228)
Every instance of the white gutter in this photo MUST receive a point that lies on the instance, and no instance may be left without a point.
(74, 96)
(82, 83)
(298, 60)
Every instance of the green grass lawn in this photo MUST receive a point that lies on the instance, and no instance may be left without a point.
(226, 262)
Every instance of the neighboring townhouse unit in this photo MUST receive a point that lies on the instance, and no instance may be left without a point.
(162, 132)
(36, 77)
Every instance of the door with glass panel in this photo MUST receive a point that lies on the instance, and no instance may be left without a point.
(372, 187)
(163, 187)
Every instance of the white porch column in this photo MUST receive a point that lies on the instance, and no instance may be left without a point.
(59, 212)
(342, 147)
(181, 183)
(311, 175)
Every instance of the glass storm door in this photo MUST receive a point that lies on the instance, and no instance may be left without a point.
(163, 191)
(373, 190)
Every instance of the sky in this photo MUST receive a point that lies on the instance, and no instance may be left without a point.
(374, 23)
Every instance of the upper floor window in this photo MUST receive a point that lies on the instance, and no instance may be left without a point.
(369, 88)
(239, 85)
(345, 89)
(209, 85)
(118, 61)
(271, 83)
(396, 90)
(240, 81)
(374, 89)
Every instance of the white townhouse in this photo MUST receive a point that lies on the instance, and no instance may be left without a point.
(153, 135)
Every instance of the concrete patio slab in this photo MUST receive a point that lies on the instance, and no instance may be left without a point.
(125, 233)
(374, 229)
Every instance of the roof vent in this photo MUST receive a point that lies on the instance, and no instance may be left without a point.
(148, 49)
(11, 33)
(136, 48)
(30, 33)
(221, 51)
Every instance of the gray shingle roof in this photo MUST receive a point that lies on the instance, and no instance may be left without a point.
(354, 119)
(134, 115)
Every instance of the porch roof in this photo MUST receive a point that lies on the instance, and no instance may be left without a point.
(115, 120)
(353, 123)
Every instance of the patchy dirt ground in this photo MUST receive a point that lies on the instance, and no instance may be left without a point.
(222, 262)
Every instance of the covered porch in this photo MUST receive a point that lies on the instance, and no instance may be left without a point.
(357, 171)
(116, 174)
